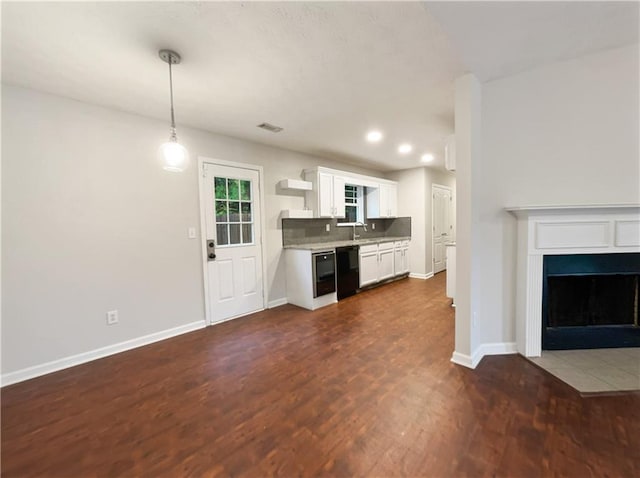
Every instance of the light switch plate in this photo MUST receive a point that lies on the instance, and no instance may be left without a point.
(192, 233)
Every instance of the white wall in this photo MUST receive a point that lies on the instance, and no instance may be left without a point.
(415, 200)
(565, 133)
(468, 164)
(91, 222)
(411, 202)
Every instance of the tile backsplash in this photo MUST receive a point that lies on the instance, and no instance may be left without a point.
(311, 231)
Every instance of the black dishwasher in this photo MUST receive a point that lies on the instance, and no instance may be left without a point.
(348, 271)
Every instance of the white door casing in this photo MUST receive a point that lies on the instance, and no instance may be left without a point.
(233, 219)
(442, 225)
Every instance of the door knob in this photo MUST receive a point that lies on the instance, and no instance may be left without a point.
(211, 249)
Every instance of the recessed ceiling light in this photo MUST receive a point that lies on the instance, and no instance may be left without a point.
(374, 136)
(405, 148)
(427, 158)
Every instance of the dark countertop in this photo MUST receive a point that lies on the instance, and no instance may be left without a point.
(318, 246)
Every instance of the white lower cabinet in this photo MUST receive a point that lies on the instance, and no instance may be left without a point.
(401, 253)
(368, 265)
(386, 266)
(377, 263)
(300, 279)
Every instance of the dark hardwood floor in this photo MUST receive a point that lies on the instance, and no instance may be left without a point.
(361, 388)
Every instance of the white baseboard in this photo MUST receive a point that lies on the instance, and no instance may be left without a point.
(277, 303)
(498, 348)
(415, 275)
(465, 360)
(472, 361)
(71, 361)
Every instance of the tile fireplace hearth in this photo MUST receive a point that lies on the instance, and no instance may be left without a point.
(592, 371)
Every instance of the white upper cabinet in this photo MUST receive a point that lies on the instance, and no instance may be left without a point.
(326, 199)
(382, 201)
(327, 196)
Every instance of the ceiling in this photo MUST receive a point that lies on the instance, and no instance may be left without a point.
(327, 72)
(497, 39)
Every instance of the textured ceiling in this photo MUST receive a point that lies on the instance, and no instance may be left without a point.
(497, 39)
(325, 71)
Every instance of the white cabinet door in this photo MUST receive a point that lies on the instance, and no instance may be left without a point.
(330, 195)
(401, 257)
(338, 196)
(385, 266)
(392, 200)
(382, 201)
(325, 195)
(405, 260)
(368, 268)
(398, 261)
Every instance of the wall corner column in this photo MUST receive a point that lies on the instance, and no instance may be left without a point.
(468, 139)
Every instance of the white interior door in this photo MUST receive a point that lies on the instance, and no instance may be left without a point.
(233, 225)
(442, 226)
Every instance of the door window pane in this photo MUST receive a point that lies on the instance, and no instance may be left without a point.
(246, 211)
(247, 233)
(245, 190)
(234, 212)
(221, 188)
(223, 234)
(233, 186)
(221, 211)
(234, 233)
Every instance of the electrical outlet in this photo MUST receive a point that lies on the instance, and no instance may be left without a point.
(112, 317)
(475, 319)
(373, 226)
(327, 227)
(191, 233)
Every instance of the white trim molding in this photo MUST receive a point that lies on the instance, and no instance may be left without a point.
(555, 230)
(465, 360)
(84, 357)
(472, 361)
(277, 303)
(415, 275)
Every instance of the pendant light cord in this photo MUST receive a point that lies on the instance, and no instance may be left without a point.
(173, 119)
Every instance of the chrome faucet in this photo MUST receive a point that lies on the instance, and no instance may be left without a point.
(364, 226)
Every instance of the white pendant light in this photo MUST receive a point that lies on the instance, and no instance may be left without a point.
(174, 156)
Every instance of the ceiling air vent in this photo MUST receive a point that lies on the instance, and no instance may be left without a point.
(270, 127)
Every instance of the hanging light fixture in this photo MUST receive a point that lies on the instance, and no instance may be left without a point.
(174, 156)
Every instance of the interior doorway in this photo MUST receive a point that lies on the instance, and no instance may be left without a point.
(442, 224)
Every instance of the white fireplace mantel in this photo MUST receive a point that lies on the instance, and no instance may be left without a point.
(577, 229)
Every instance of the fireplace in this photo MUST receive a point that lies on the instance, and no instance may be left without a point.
(584, 260)
(590, 301)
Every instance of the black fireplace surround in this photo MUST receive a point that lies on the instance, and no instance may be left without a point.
(590, 301)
